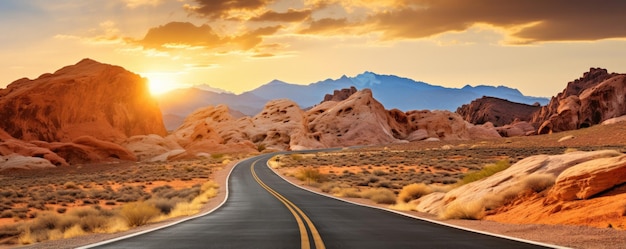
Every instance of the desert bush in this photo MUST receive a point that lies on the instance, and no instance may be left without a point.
(413, 192)
(539, 182)
(348, 192)
(7, 214)
(165, 205)
(380, 195)
(467, 211)
(485, 172)
(138, 213)
(61, 210)
(70, 185)
(327, 187)
(310, 175)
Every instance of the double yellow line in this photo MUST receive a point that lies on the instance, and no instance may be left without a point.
(297, 213)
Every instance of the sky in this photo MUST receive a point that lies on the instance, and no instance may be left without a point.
(536, 46)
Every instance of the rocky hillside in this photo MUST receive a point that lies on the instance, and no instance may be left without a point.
(89, 98)
(78, 114)
(498, 111)
(587, 101)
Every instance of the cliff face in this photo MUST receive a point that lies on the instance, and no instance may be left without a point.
(587, 101)
(89, 98)
(499, 112)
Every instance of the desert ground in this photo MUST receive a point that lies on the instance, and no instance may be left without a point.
(377, 176)
(373, 176)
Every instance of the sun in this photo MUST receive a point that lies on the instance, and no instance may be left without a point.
(160, 83)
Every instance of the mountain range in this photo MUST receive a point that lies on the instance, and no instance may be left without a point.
(392, 91)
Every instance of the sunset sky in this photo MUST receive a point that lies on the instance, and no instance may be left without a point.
(536, 46)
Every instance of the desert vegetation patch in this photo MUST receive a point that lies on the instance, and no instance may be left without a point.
(71, 201)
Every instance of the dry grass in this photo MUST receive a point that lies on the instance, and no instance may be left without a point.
(70, 201)
(467, 211)
(485, 172)
(413, 192)
(310, 175)
(380, 195)
(138, 213)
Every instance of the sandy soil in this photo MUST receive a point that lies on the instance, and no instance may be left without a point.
(219, 177)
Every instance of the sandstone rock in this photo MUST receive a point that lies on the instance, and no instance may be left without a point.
(87, 149)
(358, 120)
(281, 125)
(340, 95)
(417, 135)
(89, 98)
(587, 179)
(444, 125)
(497, 111)
(614, 120)
(484, 131)
(13, 146)
(516, 129)
(595, 97)
(146, 147)
(22, 162)
(509, 178)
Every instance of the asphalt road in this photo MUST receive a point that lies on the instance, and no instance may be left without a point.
(264, 211)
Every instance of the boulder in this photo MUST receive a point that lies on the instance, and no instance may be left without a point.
(587, 179)
(23, 162)
(146, 147)
(516, 129)
(514, 176)
(444, 125)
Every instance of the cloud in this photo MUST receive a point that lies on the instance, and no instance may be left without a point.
(175, 34)
(290, 16)
(326, 26)
(184, 35)
(136, 3)
(226, 9)
(554, 20)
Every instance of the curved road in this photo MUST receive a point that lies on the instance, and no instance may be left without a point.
(264, 211)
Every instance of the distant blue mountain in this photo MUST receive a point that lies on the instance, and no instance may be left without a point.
(392, 91)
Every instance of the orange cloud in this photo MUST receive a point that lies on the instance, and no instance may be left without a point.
(180, 33)
(224, 8)
(290, 16)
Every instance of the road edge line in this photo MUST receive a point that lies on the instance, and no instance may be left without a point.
(424, 219)
(169, 224)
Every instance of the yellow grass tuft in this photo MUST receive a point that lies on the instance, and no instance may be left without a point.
(138, 213)
(467, 211)
(73, 231)
(380, 195)
(413, 192)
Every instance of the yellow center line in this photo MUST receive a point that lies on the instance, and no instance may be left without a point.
(304, 237)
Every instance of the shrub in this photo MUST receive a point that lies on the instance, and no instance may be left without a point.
(164, 205)
(348, 192)
(539, 182)
(310, 175)
(467, 211)
(413, 192)
(138, 213)
(380, 195)
(487, 171)
(70, 185)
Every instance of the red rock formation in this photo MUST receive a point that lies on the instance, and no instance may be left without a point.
(497, 111)
(340, 95)
(587, 101)
(89, 98)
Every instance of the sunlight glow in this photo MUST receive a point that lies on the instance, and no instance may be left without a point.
(161, 82)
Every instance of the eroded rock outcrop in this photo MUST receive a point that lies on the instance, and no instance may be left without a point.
(340, 95)
(497, 111)
(587, 179)
(485, 190)
(595, 97)
(89, 98)
(79, 114)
